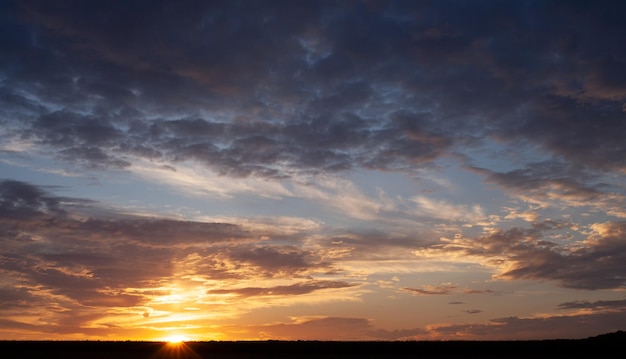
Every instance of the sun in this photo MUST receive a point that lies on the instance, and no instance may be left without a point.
(175, 347)
(176, 339)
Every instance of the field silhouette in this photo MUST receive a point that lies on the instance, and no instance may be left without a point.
(602, 346)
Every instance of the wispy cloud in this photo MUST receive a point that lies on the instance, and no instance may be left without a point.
(430, 290)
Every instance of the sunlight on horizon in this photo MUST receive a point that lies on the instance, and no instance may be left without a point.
(176, 339)
(176, 347)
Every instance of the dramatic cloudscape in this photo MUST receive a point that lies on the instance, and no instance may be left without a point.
(344, 170)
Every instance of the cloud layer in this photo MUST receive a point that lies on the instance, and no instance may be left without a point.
(317, 87)
(288, 169)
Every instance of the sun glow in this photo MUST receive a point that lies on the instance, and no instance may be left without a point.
(176, 347)
(175, 339)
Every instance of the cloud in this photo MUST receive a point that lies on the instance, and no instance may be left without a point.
(92, 265)
(444, 289)
(80, 257)
(508, 328)
(283, 290)
(370, 245)
(325, 328)
(550, 182)
(528, 216)
(558, 186)
(431, 290)
(559, 122)
(448, 211)
(479, 291)
(125, 268)
(279, 261)
(600, 317)
(547, 327)
(21, 200)
(597, 305)
(293, 101)
(311, 95)
(517, 253)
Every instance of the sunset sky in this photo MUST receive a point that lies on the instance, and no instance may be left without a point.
(334, 170)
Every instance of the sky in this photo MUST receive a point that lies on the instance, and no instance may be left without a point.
(295, 170)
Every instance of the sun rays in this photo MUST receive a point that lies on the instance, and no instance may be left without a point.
(175, 346)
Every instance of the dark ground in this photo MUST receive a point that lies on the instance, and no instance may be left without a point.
(603, 346)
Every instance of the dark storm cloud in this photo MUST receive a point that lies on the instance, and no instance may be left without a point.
(273, 88)
(596, 263)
